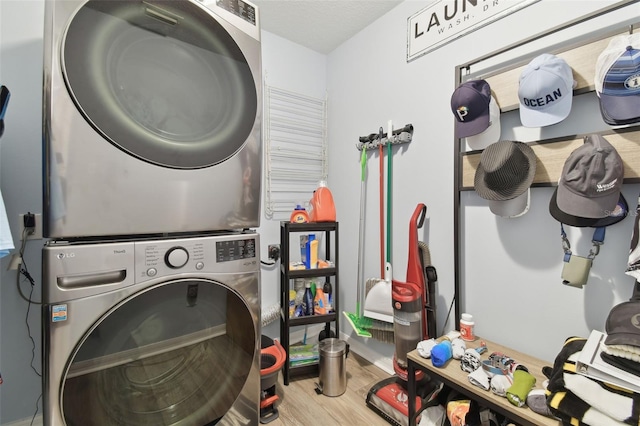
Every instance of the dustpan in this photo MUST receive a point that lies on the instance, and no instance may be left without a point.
(377, 304)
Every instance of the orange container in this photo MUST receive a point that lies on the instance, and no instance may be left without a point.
(299, 215)
(321, 207)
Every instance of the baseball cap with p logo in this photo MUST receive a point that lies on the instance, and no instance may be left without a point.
(470, 107)
(545, 91)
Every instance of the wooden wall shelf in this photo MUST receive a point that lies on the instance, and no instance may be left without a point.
(552, 153)
(582, 60)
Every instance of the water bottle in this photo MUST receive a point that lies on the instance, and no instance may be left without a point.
(307, 300)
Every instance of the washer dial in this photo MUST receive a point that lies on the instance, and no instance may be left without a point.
(176, 257)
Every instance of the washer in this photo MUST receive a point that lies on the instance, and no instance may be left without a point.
(153, 332)
(152, 115)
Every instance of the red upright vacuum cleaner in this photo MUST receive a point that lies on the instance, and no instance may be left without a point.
(411, 300)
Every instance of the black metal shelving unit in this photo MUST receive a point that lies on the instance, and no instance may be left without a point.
(330, 230)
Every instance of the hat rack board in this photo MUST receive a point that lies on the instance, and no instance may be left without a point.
(502, 70)
(551, 155)
(581, 58)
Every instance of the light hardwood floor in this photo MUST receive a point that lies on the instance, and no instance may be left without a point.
(300, 405)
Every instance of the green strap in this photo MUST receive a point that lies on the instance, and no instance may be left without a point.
(389, 186)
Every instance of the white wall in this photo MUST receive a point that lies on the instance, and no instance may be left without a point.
(510, 274)
(295, 68)
(21, 25)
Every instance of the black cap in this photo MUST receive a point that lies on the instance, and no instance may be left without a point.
(623, 324)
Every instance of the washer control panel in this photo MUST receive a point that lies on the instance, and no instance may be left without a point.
(235, 249)
(211, 254)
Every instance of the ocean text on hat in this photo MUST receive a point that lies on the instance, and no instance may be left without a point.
(545, 91)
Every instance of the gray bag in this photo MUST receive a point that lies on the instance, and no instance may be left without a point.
(575, 271)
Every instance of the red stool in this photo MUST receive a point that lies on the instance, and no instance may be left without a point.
(272, 358)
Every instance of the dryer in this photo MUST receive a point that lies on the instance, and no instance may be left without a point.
(152, 116)
(154, 332)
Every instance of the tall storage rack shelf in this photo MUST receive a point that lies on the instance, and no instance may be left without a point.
(286, 283)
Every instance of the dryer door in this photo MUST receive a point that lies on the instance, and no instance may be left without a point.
(183, 352)
(162, 80)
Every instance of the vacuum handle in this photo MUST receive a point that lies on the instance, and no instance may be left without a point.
(419, 214)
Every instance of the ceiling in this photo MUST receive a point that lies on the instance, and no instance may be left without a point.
(320, 25)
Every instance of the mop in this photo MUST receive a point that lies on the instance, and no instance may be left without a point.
(358, 321)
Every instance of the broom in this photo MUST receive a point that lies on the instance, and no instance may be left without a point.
(383, 330)
(361, 324)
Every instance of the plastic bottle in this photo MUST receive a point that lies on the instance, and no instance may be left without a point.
(298, 286)
(321, 207)
(307, 300)
(312, 256)
(466, 327)
(327, 288)
(305, 249)
(292, 303)
(318, 303)
(299, 215)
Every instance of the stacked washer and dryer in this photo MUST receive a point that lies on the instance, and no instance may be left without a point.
(152, 170)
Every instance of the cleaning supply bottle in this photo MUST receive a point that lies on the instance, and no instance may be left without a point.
(327, 288)
(321, 207)
(307, 300)
(299, 215)
(318, 305)
(466, 327)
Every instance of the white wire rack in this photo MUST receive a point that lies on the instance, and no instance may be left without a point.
(295, 149)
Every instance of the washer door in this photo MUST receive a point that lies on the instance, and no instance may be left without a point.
(161, 80)
(178, 353)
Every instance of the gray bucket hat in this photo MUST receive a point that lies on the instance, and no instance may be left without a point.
(506, 170)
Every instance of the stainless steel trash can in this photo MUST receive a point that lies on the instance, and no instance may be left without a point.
(333, 366)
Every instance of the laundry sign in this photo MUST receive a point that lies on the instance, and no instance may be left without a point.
(446, 20)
